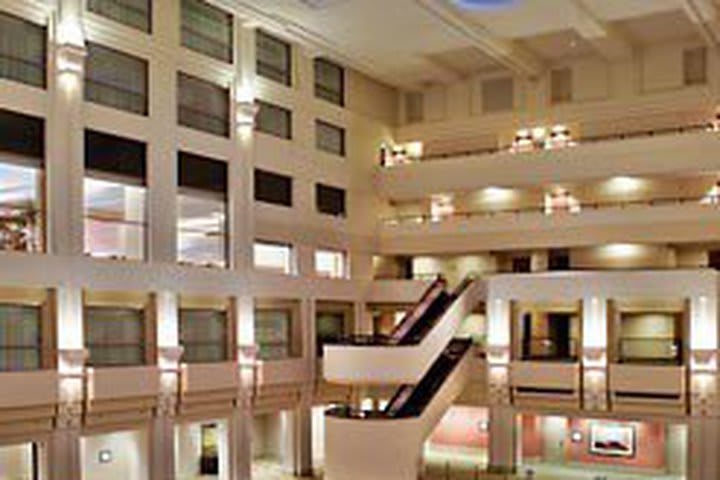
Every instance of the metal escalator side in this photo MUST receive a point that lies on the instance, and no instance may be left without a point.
(411, 400)
(419, 310)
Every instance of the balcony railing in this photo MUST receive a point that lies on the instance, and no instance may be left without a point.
(538, 349)
(542, 210)
(590, 139)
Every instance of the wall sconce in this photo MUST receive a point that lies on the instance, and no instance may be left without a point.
(71, 58)
(105, 456)
(576, 436)
(245, 113)
(483, 426)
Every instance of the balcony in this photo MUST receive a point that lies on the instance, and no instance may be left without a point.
(542, 384)
(120, 394)
(648, 389)
(208, 386)
(684, 149)
(671, 219)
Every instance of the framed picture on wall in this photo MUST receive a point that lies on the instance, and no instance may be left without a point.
(612, 440)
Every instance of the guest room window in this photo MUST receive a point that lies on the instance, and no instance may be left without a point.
(329, 81)
(330, 200)
(116, 80)
(274, 58)
(330, 138)
(273, 331)
(132, 13)
(114, 336)
(331, 264)
(114, 197)
(207, 30)
(202, 211)
(22, 148)
(273, 188)
(20, 337)
(273, 257)
(23, 51)
(274, 120)
(204, 335)
(203, 105)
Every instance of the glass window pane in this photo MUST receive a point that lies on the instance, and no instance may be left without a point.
(274, 120)
(330, 263)
(274, 59)
(330, 200)
(203, 335)
(116, 79)
(133, 13)
(22, 51)
(272, 334)
(202, 229)
(330, 138)
(114, 336)
(114, 219)
(20, 214)
(273, 257)
(329, 82)
(20, 344)
(207, 30)
(273, 188)
(203, 105)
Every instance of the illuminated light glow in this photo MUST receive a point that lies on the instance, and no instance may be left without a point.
(624, 184)
(623, 250)
(497, 194)
(414, 150)
(441, 206)
(712, 197)
(484, 4)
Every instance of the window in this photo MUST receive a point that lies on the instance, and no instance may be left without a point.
(133, 13)
(116, 79)
(22, 51)
(202, 105)
(20, 337)
(22, 147)
(114, 336)
(274, 58)
(207, 30)
(274, 120)
(550, 336)
(561, 85)
(329, 81)
(203, 335)
(498, 95)
(330, 264)
(273, 188)
(521, 264)
(558, 259)
(329, 138)
(330, 200)
(202, 211)
(114, 191)
(273, 333)
(329, 328)
(414, 107)
(651, 337)
(273, 257)
(695, 66)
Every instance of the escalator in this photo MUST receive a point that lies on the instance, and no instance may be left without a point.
(411, 400)
(387, 444)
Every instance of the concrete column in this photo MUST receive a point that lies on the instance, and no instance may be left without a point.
(64, 443)
(306, 260)
(502, 454)
(302, 442)
(162, 174)
(704, 445)
(64, 132)
(162, 447)
(241, 166)
(309, 329)
(240, 442)
(64, 454)
(594, 353)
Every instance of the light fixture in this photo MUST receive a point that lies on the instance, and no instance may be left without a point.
(246, 109)
(483, 426)
(105, 456)
(484, 4)
(576, 436)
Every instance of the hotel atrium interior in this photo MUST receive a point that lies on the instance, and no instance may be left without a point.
(359, 239)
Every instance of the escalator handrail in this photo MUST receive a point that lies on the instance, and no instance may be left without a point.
(416, 313)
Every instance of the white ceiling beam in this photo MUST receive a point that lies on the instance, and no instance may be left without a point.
(503, 51)
(704, 14)
(603, 37)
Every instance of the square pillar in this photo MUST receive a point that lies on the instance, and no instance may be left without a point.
(594, 353)
(503, 433)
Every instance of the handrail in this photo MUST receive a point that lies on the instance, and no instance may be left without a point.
(425, 218)
(420, 307)
(682, 129)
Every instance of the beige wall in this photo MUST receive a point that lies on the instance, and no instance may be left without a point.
(623, 256)
(129, 451)
(16, 462)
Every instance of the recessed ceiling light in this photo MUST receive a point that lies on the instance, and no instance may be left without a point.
(484, 4)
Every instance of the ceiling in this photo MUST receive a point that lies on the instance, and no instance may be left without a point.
(414, 43)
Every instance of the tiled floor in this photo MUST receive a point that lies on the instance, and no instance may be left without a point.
(270, 470)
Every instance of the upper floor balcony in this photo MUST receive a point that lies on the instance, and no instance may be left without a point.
(677, 150)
